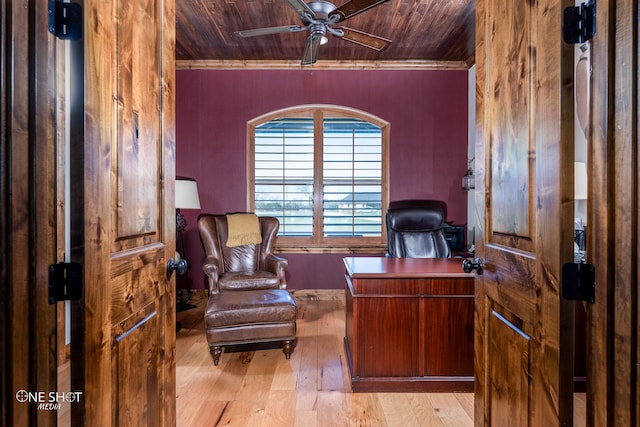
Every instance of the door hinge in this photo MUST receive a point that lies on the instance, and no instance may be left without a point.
(65, 282)
(579, 282)
(579, 23)
(65, 20)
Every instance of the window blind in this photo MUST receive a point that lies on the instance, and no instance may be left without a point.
(352, 178)
(284, 174)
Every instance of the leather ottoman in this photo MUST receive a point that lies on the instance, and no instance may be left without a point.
(243, 317)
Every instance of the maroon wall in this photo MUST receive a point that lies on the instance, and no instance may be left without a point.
(427, 110)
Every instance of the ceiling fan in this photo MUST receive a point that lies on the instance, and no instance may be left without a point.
(318, 16)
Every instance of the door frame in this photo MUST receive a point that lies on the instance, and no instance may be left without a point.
(30, 210)
(613, 219)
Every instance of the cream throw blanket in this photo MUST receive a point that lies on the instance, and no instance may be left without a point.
(243, 229)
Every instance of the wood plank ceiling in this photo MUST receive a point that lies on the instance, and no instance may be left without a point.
(422, 31)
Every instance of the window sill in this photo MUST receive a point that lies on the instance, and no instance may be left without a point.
(330, 249)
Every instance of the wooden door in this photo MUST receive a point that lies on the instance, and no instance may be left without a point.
(123, 223)
(525, 227)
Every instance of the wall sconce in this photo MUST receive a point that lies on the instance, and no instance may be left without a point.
(469, 180)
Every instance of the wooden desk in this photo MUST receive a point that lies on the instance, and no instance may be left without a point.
(409, 324)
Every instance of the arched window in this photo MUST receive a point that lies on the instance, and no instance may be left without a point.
(322, 170)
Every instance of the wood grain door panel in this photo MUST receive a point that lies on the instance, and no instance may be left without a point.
(524, 149)
(510, 174)
(135, 282)
(508, 350)
(137, 367)
(124, 340)
(137, 194)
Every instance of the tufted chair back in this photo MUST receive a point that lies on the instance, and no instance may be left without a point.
(415, 229)
(245, 267)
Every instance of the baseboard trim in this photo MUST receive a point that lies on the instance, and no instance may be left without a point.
(299, 294)
(318, 294)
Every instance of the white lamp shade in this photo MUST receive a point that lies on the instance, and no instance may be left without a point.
(187, 194)
(580, 181)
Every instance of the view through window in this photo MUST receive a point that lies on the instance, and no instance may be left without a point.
(323, 177)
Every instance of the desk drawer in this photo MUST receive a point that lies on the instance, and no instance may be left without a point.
(413, 287)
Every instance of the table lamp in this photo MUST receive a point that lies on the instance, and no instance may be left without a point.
(186, 197)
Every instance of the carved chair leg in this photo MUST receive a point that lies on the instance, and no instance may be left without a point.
(287, 348)
(215, 351)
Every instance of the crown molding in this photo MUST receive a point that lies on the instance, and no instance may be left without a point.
(320, 65)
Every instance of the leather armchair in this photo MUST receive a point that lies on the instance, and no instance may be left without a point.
(415, 229)
(240, 267)
(248, 301)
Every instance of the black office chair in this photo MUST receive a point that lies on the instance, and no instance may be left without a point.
(415, 229)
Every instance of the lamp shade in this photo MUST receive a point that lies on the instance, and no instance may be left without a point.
(187, 194)
(580, 181)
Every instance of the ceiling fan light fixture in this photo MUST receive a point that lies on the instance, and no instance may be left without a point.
(318, 30)
(317, 17)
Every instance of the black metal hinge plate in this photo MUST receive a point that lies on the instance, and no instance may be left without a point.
(579, 23)
(65, 282)
(65, 20)
(579, 282)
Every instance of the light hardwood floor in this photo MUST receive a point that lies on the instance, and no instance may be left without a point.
(262, 388)
(259, 387)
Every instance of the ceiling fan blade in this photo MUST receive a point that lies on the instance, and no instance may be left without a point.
(310, 54)
(270, 30)
(301, 8)
(365, 39)
(354, 7)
